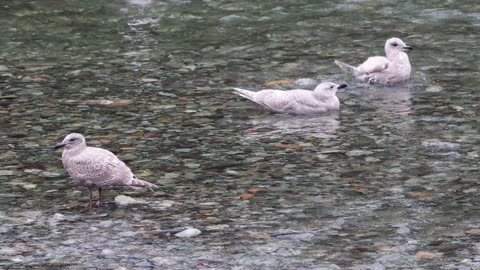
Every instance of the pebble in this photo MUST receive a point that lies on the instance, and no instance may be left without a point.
(440, 145)
(127, 234)
(232, 172)
(69, 242)
(160, 261)
(218, 227)
(50, 174)
(123, 200)
(434, 89)
(187, 233)
(305, 82)
(232, 18)
(58, 217)
(296, 236)
(356, 153)
(107, 251)
(6, 173)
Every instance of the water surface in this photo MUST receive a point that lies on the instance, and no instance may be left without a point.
(389, 182)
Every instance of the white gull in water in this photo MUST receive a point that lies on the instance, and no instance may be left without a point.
(94, 167)
(392, 69)
(298, 101)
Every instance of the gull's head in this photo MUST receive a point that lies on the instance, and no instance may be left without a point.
(329, 88)
(72, 140)
(395, 45)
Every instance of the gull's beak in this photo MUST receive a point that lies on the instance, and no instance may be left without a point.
(407, 48)
(341, 86)
(59, 145)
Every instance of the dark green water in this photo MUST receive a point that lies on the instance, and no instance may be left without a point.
(389, 182)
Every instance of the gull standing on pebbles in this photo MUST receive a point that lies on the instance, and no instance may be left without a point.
(94, 167)
(392, 69)
(298, 101)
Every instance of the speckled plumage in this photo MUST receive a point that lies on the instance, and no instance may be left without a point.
(94, 167)
(297, 101)
(392, 69)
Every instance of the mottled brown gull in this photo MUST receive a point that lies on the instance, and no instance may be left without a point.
(94, 167)
(392, 69)
(298, 101)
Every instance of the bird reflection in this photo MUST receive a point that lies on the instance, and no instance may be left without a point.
(278, 125)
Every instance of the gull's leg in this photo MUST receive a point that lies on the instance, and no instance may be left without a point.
(90, 205)
(99, 203)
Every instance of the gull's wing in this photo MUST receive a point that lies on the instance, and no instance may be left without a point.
(372, 65)
(97, 166)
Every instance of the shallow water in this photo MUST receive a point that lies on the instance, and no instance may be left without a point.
(389, 182)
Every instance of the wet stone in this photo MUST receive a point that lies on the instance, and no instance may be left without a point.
(306, 237)
(356, 153)
(159, 78)
(187, 233)
(6, 173)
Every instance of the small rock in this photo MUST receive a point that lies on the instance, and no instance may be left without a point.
(232, 172)
(6, 173)
(149, 80)
(356, 153)
(427, 255)
(50, 174)
(231, 18)
(434, 89)
(3, 68)
(58, 217)
(123, 200)
(473, 231)
(160, 261)
(69, 242)
(18, 259)
(127, 234)
(29, 186)
(190, 232)
(165, 204)
(440, 145)
(107, 252)
(296, 236)
(8, 251)
(32, 171)
(218, 227)
(305, 82)
(109, 103)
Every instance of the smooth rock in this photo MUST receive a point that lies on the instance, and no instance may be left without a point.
(296, 236)
(190, 232)
(123, 200)
(356, 153)
(306, 82)
(58, 217)
(6, 173)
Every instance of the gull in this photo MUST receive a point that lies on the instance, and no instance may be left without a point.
(297, 101)
(94, 167)
(392, 69)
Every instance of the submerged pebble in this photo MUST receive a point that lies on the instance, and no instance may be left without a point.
(187, 233)
(123, 200)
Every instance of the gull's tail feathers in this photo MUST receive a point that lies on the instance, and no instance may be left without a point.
(346, 67)
(137, 183)
(250, 95)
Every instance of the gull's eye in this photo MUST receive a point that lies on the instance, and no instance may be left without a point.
(394, 44)
(331, 86)
(72, 139)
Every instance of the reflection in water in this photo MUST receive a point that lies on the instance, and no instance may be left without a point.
(140, 2)
(385, 100)
(391, 189)
(278, 125)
